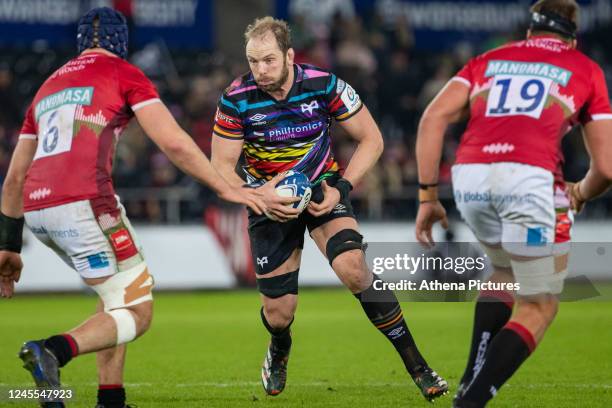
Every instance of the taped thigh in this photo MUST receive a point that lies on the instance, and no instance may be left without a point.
(540, 275)
(127, 288)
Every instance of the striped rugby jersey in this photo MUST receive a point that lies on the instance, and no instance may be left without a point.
(290, 134)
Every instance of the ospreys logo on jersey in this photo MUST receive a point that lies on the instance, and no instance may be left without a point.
(309, 107)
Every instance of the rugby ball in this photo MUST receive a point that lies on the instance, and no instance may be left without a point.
(294, 184)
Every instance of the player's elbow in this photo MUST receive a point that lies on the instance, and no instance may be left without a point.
(380, 145)
(377, 143)
(434, 116)
(13, 182)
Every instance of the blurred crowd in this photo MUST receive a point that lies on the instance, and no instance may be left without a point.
(394, 78)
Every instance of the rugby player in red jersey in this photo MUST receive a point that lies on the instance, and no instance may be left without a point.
(522, 99)
(60, 180)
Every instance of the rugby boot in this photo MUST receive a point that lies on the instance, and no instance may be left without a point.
(44, 368)
(431, 384)
(274, 369)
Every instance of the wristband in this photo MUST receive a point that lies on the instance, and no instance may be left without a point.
(577, 194)
(11, 233)
(344, 187)
(429, 193)
(426, 186)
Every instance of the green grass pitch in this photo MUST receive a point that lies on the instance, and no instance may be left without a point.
(205, 350)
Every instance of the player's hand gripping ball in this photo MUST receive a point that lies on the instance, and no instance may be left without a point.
(294, 184)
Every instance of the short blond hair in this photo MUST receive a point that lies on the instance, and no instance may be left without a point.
(279, 28)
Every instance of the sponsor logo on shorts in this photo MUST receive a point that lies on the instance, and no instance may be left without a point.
(339, 209)
(486, 197)
(563, 227)
(98, 261)
(536, 236)
(67, 233)
(121, 240)
(40, 194)
(262, 261)
(123, 245)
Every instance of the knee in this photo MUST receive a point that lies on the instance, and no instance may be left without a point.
(353, 272)
(143, 316)
(545, 307)
(549, 308)
(350, 260)
(279, 313)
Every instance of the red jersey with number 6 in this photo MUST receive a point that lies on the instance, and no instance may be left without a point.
(524, 97)
(77, 116)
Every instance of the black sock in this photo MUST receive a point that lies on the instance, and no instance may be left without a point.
(384, 311)
(281, 338)
(63, 347)
(493, 310)
(508, 350)
(111, 395)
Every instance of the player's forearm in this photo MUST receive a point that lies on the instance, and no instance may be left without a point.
(228, 172)
(430, 139)
(365, 157)
(593, 184)
(12, 189)
(12, 197)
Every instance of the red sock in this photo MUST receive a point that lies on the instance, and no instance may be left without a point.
(74, 347)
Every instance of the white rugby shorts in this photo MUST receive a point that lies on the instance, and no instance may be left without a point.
(514, 205)
(94, 245)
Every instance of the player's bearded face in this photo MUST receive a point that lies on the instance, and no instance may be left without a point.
(268, 82)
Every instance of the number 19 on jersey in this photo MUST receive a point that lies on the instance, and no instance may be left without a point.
(518, 95)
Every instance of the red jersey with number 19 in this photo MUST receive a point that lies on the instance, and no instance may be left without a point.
(77, 116)
(524, 97)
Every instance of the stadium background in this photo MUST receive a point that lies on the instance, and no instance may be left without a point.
(397, 54)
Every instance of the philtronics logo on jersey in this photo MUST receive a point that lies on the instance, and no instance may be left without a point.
(293, 131)
(537, 69)
(68, 96)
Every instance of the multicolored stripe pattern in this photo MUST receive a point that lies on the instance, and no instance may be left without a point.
(289, 134)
